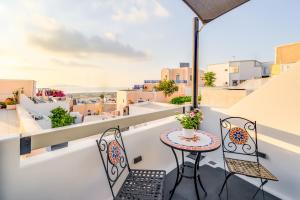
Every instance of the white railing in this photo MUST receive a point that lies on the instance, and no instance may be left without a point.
(50, 137)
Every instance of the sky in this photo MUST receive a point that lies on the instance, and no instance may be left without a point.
(118, 43)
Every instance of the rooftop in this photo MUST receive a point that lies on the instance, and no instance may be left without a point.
(76, 172)
(153, 105)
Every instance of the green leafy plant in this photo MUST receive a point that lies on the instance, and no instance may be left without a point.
(167, 86)
(190, 120)
(210, 78)
(2, 105)
(10, 101)
(60, 117)
(183, 99)
(13, 102)
(199, 98)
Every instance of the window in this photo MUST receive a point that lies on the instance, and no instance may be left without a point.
(191, 77)
(235, 82)
(177, 77)
(234, 69)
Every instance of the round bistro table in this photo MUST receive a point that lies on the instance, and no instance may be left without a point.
(200, 143)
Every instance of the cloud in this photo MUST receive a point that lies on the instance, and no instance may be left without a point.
(111, 36)
(134, 15)
(74, 42)
(74, 64)
(137, 11)
(160, 10)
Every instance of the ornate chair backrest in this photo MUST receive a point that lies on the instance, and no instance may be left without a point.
(113, 155)
(239, 136)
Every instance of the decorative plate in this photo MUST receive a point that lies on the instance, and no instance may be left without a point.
(114, 152)
(238, 135)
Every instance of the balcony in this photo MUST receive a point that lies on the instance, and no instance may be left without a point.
(137, 87)
(181, 81)
(151, 81)
(76, 172)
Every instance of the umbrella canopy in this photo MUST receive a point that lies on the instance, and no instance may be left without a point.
(208, 10)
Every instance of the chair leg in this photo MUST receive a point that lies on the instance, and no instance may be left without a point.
(261, 186)
(227, 177)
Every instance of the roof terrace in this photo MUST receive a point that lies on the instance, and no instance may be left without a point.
(76, 172)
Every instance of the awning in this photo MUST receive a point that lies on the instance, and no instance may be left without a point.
(208, 10)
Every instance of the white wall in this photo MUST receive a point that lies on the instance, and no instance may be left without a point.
(283, 155)
(222, 76)
(76, 172)
(247, 70)
(42, 108)
(276, 103)
(218, 97)
(275, 107)
(27, 123)
(136, 109)
(253, 84)
(122, 100)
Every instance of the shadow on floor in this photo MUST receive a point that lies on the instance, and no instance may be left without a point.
(212, 179)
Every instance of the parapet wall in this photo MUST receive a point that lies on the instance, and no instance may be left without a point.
(219, 97)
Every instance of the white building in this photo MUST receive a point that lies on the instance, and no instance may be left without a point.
(44, 107)
(236, 72)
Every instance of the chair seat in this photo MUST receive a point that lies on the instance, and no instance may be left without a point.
(249, 168)
(143, 185)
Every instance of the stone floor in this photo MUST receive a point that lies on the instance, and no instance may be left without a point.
(212, 178)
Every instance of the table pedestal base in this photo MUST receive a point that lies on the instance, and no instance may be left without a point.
(180, 174)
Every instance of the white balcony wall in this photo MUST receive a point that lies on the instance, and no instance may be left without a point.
(76, 173)
(27, 123)
(281, 147)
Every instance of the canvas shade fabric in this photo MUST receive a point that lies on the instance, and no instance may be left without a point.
(208, 10)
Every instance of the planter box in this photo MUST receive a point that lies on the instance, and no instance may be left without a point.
(11, 107)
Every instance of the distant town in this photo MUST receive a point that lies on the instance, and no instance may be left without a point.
(28, 109)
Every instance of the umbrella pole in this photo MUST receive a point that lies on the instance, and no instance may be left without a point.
(195, 63)
(195, 66)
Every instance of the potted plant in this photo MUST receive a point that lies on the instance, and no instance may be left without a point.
(10, 103)
(190, 122)
(2, 105)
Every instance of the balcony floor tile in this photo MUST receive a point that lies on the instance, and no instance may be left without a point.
(212, 179)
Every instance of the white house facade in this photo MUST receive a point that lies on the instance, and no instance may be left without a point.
(235, 72)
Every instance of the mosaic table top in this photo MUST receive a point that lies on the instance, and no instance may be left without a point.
(201, 142)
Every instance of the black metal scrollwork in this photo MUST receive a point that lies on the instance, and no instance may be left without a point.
(113, 170)
(230, 146)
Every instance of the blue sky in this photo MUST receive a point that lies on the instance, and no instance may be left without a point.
(113, 43)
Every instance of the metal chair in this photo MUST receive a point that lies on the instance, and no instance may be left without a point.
(239, 136)
(138, 184)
